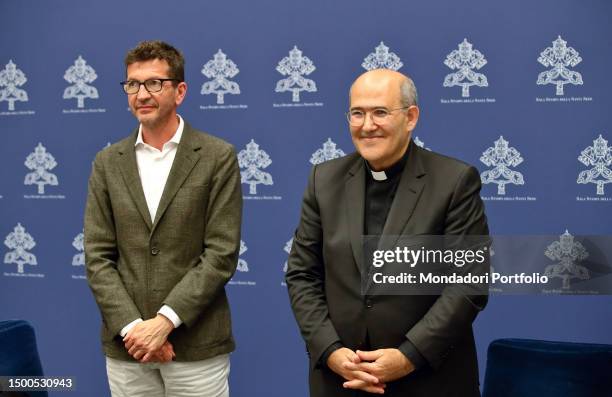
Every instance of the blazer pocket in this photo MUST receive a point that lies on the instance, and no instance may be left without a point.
(194, 185)
(186, 213)
(192, 195)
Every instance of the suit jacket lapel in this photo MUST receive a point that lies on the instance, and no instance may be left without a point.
(406, 197)
(185, 159)
(129, 171)
(355, 206)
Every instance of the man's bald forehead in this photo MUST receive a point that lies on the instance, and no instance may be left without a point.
(379, 75)
(391, 80)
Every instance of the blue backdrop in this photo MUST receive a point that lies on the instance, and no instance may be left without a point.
(40, 42)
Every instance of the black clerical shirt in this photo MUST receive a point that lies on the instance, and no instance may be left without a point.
(380, 188)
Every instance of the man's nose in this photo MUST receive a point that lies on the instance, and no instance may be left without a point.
(368, 123)
(142, 92)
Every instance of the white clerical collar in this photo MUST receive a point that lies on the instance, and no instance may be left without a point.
(378, 175)
(390, 172)
(176, 138)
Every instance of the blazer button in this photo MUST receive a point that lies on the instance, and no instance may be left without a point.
(154, 251)
(369, 303)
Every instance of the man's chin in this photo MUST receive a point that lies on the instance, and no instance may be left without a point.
(370, 153)
(371, 158)
(145, 119)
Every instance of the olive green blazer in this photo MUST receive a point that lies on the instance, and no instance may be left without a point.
(182, 259)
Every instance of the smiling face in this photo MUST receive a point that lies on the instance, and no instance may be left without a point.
(158, 108)
(382, 144)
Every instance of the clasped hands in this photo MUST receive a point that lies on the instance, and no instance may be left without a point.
(369, 370)
(148, 341)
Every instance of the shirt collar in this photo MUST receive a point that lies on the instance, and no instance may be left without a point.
(176, 138)
(391, 172)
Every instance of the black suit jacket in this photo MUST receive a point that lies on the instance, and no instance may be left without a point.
(436, 195)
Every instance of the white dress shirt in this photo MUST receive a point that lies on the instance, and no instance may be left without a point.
(154, 167)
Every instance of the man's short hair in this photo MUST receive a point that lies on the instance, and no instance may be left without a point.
(408, 93)
(154, 49)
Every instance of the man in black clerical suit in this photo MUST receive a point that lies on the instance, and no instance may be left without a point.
(398, 345)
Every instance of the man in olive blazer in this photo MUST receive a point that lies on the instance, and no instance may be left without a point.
(162, 235)
(183, 259)
(402, 345)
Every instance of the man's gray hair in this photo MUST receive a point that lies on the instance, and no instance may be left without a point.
(408, 93)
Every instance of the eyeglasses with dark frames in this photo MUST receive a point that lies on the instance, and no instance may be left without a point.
(152, 85)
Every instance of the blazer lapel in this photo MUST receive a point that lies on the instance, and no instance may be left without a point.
(129, 171)
(355, 206)
(185, 159)
(406, 197)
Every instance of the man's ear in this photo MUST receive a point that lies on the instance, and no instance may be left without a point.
(412, 114)
(181, 91)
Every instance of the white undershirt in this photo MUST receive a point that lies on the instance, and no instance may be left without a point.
(154, 167)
